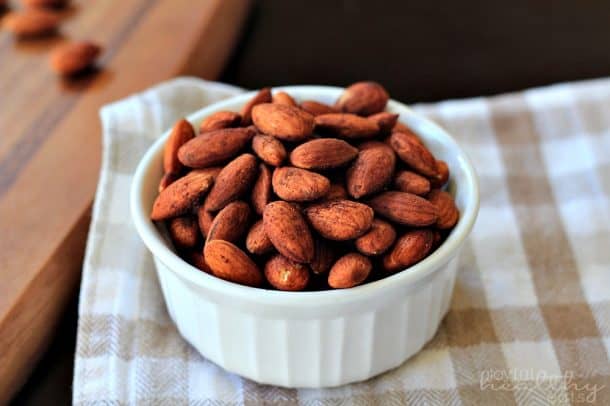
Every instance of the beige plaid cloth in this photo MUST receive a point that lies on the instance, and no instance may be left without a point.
(530, 317)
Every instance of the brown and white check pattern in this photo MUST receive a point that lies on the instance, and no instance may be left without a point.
(530, 317)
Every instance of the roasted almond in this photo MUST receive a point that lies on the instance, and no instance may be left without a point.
(74, 57)
(269, 149)
(205, 219)
(350, 270)
(263, 96)
(215, 147)
(284, 274)
(404, 208)
(181, 133)
(413, 154)
(257, 241)
(284, 98)
(167, 180)
(220, 120)
(323, 153)
(232, 264)
(442, 174)
(299, 185)
(233, 181)
(285, 122)
(402, 128)
(336, 191)
(316, 108)
(31, 23)
(340, 219)
(181, 196)
(288, 231)
(261, 192)
(411, 248)
(346, 125)
(371, 171)
(363, 98)
(410, 182)
(324, 257)
(184, 231)
(385, 121)
(378, 239)
(45, 3)
(448, 213)
(231, 223)
(195, 258)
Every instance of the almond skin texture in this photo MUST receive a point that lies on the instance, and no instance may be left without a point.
(261, 192)
(316, 108)
(371, 171)
(299, 185)
(231, 223)
(284, 98)
(284, 274)
(378, 239)
(385, 121)
(324, 257)
(336, 191)
(181, 196)
(350, 270)
(75, 57)
(257, 241)
(181, 133)
(411, 248)
(401, 128)
(288, 231)
(219, 121)
(233, 181)
(410, 182)
(346, 125)
(214, 147)
(340, 220)
(287, 123)
(404, 208)
(442, 175)
(413, 154)
(232, 264)
(195, 258)
(269, 149)
(31, 23)
(323, 153)
(184, 231)
(448, 213)
(263, 96)
(167, 180)
(205, 220)
(363, 98)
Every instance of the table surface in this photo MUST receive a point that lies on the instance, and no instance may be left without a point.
(421, 51)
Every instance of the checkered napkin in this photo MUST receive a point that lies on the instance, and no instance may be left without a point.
(530, 317)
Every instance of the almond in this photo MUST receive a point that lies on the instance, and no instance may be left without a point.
(167, 180)
(405, 208)
(371, 171)
(284, 274)
(340, 219)
(346, 125)
(410, 182)
(316, 108)
(287, 123)
(413, 154)
(378, 239)
(181, 196)
(184, 231)
(231, 223)
(257, 241)
(214, 147)
(181, 133)
(299, 185)
(261, 192)
(324, 257)
(45, 3)
(288, 231)
(232, 264)
(263, 96)
(411, 248)
(74, 57)
(363, 98)
(31, 23)
(269, 149)
(336, 191)
(385, 121)
(220, 120)
(233, 181)
(323, 153)
(284, 98)
(442, 174)
(448, 213)
(350, 270)
(205, 219)
(195, 258)
(402, 128)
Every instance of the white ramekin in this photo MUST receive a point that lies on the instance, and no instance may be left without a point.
(310, 339)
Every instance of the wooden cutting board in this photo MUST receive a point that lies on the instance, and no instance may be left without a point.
(50, 146)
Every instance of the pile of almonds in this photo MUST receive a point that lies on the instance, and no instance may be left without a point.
(303, 196)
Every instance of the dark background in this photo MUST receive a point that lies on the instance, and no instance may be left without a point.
(420, 51)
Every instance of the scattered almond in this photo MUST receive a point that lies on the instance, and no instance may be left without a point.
(363, 98)
(288, 231)
(340, 220)
(31, 23)
(284, 274)
(233, 181)
(411, 248)
(181, 196)
(378, 239)
(413, 154)
(346, 125)
(299, 185)
(405, 208)
(448, 213)
(181, 133)
(257, 241)
(269, 149)
(350, 270)
(323, 153)
(371, 171)
(285, 122)
(410, 182)
(230, 223)
(214, 147)
(232, 264)
(220, 120)
(184, 231)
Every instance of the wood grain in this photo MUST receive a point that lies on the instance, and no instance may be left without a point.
(50, 146)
